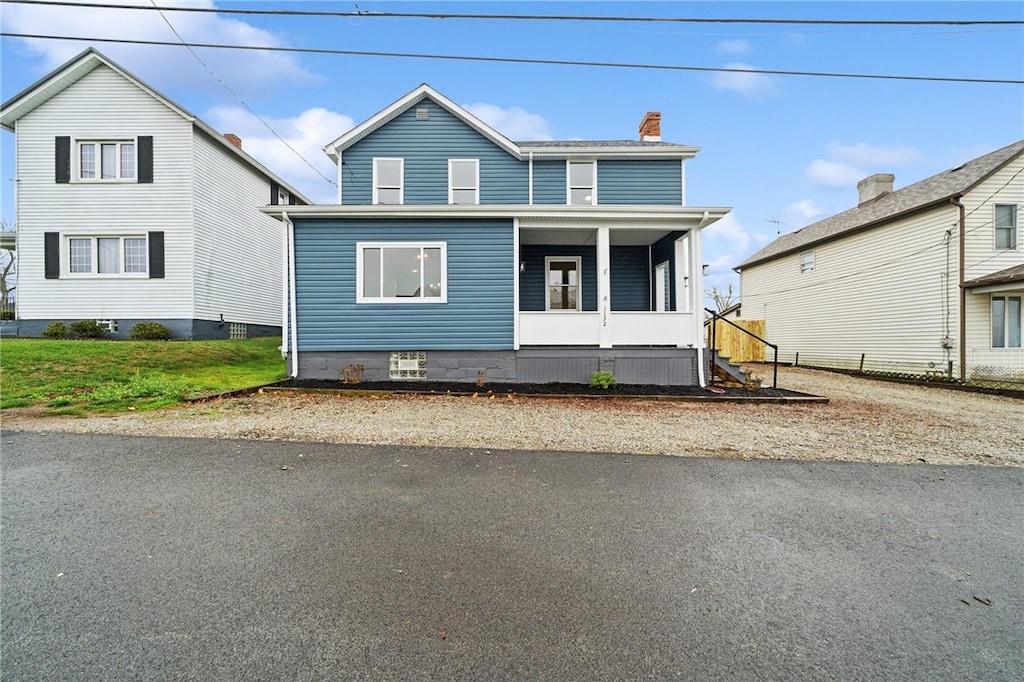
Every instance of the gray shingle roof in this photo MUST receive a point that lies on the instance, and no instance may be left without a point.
(573, 144)
(1007, 276)
(938, 188)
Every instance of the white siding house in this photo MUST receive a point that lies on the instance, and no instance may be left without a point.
(130, 209)
(927, 279)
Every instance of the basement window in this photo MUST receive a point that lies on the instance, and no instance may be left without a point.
(408, 364)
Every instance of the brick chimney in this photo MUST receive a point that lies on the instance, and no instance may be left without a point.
(650, 127)
(874, 186)
(234, 139)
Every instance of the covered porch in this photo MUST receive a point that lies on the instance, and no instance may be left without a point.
(611, 284)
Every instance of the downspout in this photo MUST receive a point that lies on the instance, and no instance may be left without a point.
(284, 288)
(294, 372)
(961, 322)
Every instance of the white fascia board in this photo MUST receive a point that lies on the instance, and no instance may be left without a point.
(699, 216)
(405, 103)
(599, 152)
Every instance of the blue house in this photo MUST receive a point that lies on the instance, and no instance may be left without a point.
(456, 254)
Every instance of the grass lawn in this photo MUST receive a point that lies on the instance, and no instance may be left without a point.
(75, 377)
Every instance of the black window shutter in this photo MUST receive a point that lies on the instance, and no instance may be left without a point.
(275, 191)
(51, 244)
(156, 255)
(145, 151)
(291, 199)
(62, 159)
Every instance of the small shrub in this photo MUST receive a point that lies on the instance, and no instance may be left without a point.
(6, 314)
(149, 331)
(56, 330)
(88, 329)
(603, 380)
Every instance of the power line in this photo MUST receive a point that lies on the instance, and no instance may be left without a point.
(535, 17)
(240, 100)
(520, 60)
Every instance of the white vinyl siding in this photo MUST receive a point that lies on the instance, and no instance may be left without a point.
(103, 106)
(238, 251)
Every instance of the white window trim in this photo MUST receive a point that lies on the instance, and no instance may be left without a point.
(1006, 329)
(1015, 227)
(401, 186)
(443, 298)
(579, 274)
(476, 179)
(65, 257)
(76, 162)
(808, 265)
(569, 186)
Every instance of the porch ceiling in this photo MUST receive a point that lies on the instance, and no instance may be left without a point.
(588, 236)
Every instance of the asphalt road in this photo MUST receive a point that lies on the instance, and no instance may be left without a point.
(171, 559)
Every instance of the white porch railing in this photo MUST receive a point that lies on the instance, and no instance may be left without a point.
(623, 329)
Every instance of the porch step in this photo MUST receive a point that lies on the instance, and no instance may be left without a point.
(727, 371)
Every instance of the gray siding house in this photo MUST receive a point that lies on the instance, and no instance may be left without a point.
(456, 254)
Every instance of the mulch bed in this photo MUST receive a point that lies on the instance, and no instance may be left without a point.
(579, 390)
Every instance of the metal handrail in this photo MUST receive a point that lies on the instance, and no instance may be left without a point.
(714, 343)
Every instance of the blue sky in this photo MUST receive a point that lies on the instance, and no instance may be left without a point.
(782, 151)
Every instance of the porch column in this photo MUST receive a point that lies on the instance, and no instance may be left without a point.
(697, 286)
(684, 273)
(604, 287)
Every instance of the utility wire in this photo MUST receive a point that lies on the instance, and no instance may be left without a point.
(521, 60)
(535, 17)
(240, 100)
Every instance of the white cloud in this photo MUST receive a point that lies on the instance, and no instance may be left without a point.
(847, 164)
(744, 80)
(514, 123)
(738, 46)
(801, 213)
(247, 72)
(870, 156)
(306, 134)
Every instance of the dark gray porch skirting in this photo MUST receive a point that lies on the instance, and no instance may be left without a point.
(632, 365)
(194, 330)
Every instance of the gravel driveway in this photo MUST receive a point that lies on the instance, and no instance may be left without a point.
(866, 420)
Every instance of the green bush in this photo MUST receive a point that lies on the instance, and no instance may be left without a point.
(57, 330)
(6, 314)
(149, 331)
(603, 380)
(88, 329)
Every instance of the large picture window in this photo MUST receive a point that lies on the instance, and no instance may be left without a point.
(100, 161)
(401, 272)
(103, 255)
(388, 181)
(1006, 322)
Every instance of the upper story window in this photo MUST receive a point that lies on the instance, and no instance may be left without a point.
(1006, 226)
(108, 255)
(388, 181)
(582, 182)
(806, 262)
(100, 161)
(401, 272)
(463, 181)
(1006, 321)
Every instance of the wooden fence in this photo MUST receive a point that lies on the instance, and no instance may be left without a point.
(736, 345)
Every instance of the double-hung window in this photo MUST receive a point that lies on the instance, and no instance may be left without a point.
(806, 262)
(1006, 226)
(1006, 322)
(106, 161)
(582, 182)
(463, 181)
(401, 272)
(108, 255)
(388, 181)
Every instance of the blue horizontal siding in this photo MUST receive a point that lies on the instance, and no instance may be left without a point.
(630, 278)
(479, 314)
(426, 147)
(657, 181)
(549, 182)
